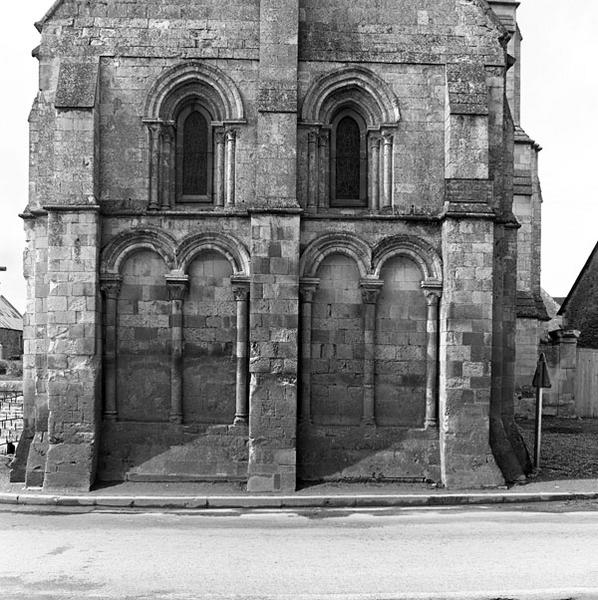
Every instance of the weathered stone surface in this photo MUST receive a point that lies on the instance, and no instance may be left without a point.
(77, 85)
(157, 319)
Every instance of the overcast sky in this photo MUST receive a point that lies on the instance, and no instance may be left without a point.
(559, 110)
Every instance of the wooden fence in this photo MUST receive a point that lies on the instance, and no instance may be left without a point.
(586, 386)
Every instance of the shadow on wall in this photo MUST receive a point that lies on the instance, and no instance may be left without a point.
(142, 442)
(340, 440)
(367, 377)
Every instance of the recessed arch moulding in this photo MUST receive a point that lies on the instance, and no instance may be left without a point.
(178, 87)
(370, 259)
(361, 91)
(177, 255)
(368, 360)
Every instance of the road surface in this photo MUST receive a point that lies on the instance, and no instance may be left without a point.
(312, 554)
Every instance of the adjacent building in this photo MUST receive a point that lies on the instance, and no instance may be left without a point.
(579, 310)
(11, 331)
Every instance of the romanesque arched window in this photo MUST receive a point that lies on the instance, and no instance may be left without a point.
(349, 160)
(349, 120)
(194, 154)
(193, 112)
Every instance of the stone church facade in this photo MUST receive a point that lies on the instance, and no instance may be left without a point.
(272, 241)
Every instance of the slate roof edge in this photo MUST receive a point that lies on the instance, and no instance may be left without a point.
(583, 271)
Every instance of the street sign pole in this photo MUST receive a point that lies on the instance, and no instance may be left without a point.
(541, 381)
(538, 440)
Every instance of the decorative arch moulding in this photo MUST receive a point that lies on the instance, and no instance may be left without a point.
(370, 102)
(369, 260)
(171, 87)
(352, 85)
(177, 256)
(181, 91)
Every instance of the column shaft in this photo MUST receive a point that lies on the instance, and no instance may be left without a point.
(432, 360)
(154, 201)
(387, 170)
(312, 186)
(374, 174)
(167, 168)
(307, 292)
(324, 169)
(177, 287)
(369, 291)
(111, 291)
(219, 170)
(230, 167)
(241, 292)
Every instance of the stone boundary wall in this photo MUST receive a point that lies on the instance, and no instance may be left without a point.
(11, 418)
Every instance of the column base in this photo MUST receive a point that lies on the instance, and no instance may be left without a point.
(176, 419)
(111, 416)
(241, 420)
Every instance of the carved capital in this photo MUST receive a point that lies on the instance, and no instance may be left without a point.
(374, 142)
(168, 132)
(312, 137)
(240, 287)
(231, 135)
(307, 289)
(324, 137)
(432, 291)
(219, 137)
(110, 286)
(370, 290)
(155, 127)
(387, 138)
(432, 297)
(177, 284)
(241, 292)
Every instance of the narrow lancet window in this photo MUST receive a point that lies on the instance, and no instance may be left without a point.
(348, 160)
(195, 155)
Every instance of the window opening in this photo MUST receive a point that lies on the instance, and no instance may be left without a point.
(195, 155)
(348, 167)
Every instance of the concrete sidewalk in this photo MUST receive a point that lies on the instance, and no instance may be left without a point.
(334, 495)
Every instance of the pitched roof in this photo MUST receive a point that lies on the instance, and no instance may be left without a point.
(10, 317)
(581, 275)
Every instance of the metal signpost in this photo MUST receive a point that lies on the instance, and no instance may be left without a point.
(541, 381)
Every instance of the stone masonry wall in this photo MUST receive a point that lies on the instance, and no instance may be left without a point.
(390, 31)
(125, 83)
(73, 339)
(11, 419)
(418, 176)
(401, 342)
(337, 344)
(465, 354)
(210, 325)
(177, 277)
(143, 334)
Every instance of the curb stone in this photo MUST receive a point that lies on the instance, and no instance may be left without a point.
(283, 502)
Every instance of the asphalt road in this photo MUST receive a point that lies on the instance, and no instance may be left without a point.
(538, 552)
